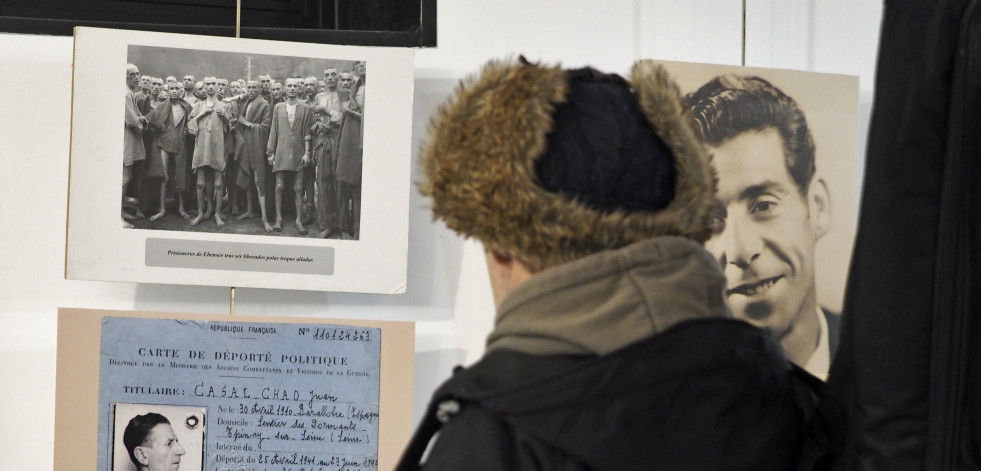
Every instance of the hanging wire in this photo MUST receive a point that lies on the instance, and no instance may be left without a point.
(742, 59)
(238, 34)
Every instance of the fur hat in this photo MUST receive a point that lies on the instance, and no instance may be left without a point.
(497, 169)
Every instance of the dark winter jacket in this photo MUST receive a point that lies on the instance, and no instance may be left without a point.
(621, 360)
(712, 394)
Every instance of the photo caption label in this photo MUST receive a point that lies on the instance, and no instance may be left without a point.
(238, 256)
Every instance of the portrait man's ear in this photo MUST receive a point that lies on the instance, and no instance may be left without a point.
(140, 454)
(819, 207)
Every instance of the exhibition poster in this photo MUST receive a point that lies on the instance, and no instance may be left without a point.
(233, 392)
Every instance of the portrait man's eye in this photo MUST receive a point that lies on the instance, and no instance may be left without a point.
(718, 219)
(764, 206)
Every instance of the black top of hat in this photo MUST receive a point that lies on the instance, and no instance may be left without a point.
(602, 150)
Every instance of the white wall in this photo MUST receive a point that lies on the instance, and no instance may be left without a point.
(448, 294)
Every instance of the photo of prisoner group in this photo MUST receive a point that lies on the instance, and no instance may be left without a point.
(260, 154)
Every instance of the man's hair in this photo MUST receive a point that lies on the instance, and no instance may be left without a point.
(730, 105)
(138, 429)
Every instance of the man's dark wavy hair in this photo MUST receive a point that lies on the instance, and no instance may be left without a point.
(730, 105)
(137, 430)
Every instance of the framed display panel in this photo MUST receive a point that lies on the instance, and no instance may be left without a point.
(404, 23)
(235, 392)
(366, 248)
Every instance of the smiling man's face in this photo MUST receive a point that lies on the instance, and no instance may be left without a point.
(763, 234)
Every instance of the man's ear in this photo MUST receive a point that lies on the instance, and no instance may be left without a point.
(140, 453)
(501, 258)
(819, 207)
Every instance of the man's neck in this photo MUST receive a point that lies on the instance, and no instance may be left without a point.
(819, 362)
(291, 101)
(804, 334)
(212, 99)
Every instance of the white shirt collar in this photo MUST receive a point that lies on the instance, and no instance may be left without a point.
(820, 361)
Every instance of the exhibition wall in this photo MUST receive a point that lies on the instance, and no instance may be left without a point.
(448, 294)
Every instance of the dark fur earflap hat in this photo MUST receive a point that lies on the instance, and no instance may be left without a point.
(549, 165)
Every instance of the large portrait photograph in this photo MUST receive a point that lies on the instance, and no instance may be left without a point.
(228, 158)
(784, 147)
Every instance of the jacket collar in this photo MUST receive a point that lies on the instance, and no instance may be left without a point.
(606, 301)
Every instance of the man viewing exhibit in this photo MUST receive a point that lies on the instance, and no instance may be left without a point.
(612, 347)
(152, 444)
(770, 212)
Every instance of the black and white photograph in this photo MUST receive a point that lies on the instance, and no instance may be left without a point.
(243, 143)
(153, 437)
(784, 146)
(239, 157)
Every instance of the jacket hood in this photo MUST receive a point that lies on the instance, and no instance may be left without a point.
(606, 301)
